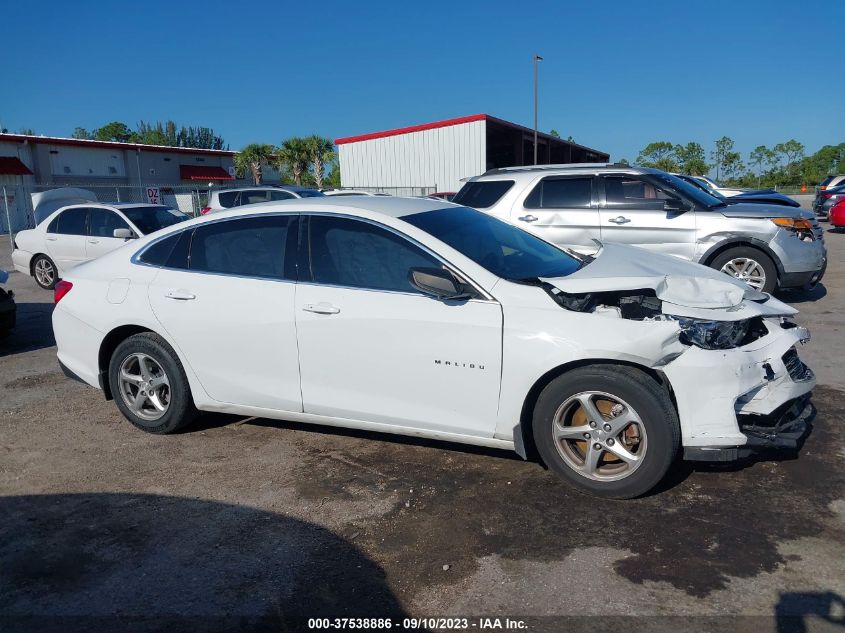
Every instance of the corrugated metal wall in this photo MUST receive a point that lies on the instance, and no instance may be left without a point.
(429, 158)
(82, 162)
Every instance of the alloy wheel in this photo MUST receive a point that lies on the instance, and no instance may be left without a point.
(45, 274)
(748, 270)
(599, 436)
(144, 386)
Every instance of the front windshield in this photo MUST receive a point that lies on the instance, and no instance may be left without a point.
(151, 219)
(501, 248)
(698, 195)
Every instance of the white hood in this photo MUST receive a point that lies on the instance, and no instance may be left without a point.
(685, 288)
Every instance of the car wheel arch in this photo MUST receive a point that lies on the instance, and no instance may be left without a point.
(721, 247)
(107, 346)
(523, 436)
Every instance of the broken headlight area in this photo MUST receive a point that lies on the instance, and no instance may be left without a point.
(719, 334)
(643, 305)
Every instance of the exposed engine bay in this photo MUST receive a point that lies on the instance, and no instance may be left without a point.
(644, 305)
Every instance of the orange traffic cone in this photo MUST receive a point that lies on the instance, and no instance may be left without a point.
(804, 188)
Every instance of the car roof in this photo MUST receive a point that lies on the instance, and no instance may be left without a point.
(391, 206)
(132, 205)
(566, 168)
(270, 187)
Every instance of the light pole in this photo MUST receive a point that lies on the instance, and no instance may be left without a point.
(537, 60)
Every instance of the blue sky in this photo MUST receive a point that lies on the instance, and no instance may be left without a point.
(616, 75)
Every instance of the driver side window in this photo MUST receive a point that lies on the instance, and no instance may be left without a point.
(631, 192)
(356, 254)
(102, 223)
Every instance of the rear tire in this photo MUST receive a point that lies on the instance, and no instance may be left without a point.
(44, 272)
(746, 263)
(610, 430)
(149, 384)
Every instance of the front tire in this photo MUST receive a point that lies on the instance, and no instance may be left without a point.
(44, 272)
(609, 430)
(149, 384)
(750, 265)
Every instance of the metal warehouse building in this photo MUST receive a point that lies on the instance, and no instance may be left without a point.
(438, 155)
(114, 172)
(45, 160)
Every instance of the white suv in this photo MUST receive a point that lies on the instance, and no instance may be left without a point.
(768, 246)
(404, 316)
(222, 199)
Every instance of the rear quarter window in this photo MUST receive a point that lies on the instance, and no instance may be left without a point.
(227, 199)
(482, 194)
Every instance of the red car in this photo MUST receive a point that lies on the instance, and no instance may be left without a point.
(837, 214)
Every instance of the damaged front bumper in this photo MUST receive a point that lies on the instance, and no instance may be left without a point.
(733, 402)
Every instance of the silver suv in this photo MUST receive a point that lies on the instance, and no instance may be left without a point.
(768, 246)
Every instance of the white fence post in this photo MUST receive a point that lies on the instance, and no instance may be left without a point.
(8, 217)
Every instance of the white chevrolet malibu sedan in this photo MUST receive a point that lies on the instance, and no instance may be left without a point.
(423, 318)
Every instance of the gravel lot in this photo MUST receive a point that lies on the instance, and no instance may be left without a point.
(243, 524)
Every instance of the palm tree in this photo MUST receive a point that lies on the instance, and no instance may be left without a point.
(320, 152)
(293, 156)
(251, 158)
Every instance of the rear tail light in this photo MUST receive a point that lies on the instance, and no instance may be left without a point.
(205, 210)
(827, 195)
(61, 289)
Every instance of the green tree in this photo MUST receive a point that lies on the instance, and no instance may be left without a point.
(251, 159)
(659, 155)
(332, 178)
(759, 156)
(320, 151)
(81, 133)
(691, 159)
(554, 133)
(623, 161)
(792, 151)
(294, 157)
(114, 131)
(728, 162)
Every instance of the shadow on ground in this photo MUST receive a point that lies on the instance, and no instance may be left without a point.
(140, 562)
(34, 330)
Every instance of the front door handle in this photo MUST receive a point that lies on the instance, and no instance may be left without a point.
(93, 241)
(320, 308)
(180, 295)
(529, 218)
(619, 219)
(52, 239)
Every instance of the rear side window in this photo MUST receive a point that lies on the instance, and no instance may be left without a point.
(561, 193)
(171, 252)
(248, 247)
(482, 194)
(70, 222)
(355, 254)
(253, 197)
(227, 198)
(281, 195)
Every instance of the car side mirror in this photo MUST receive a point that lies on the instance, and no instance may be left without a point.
(675, 204)
(437, 282)
(123, 234)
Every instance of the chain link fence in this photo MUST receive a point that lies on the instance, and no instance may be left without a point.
(17, 213)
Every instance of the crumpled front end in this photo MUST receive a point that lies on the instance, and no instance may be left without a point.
(736, 400)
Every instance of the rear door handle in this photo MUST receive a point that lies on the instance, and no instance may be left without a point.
(320, 308)
(528, 218)
(620, 219)
(52, 239)
(93, 241)
(180, 295)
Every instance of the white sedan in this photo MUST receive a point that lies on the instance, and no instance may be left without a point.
(79, 233)
(402, 316)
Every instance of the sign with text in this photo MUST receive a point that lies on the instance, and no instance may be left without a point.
(153, 195)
